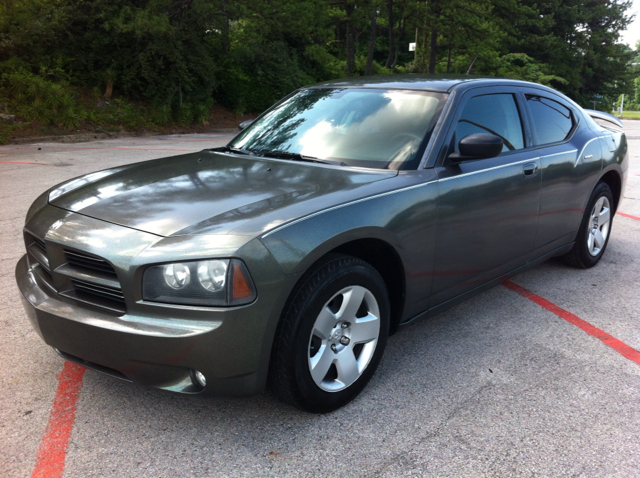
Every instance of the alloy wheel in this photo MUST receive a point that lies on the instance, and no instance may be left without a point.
(343, 338)
(599, 223)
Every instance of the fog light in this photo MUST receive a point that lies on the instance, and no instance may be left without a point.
(198, 379)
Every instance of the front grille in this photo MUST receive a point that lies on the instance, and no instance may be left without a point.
(102, 291)
(78, 277)
(88, 262)
(40, 243)
(37, 250)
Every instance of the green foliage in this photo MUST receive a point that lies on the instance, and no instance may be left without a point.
(7, 129)
(522, 67)
(162, 115)
(120, 114)
(38, 99)
(184, 114)
(181, 55)
(201, 111)
(260, 75)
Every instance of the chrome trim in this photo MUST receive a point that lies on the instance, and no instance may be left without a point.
(530, 160)
(584, 147)
(558, 154)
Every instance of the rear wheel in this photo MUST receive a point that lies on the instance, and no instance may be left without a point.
(595, 228)
(331, 336)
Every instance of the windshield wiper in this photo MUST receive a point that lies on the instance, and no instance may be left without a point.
(298, 157)
(229, 149)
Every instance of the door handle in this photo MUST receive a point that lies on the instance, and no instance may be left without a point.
(530, 169)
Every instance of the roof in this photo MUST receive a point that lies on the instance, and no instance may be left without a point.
(441, 83)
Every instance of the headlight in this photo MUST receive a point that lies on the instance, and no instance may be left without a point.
(177, 276)
(212, 275)
(217, 282)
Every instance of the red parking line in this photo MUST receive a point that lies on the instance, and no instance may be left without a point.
(617, 345)
(629, 216)
(55, 441)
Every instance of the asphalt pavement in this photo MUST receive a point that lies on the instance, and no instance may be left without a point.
(497, 386)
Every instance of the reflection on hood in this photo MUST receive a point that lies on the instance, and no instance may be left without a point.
(204, 192)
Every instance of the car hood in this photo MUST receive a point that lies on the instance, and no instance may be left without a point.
(206, 192)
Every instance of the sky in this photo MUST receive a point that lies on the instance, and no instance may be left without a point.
(632, 35)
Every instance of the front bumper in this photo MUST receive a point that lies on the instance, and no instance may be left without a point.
(155, 352)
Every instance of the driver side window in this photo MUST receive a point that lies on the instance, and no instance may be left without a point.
(494, 114)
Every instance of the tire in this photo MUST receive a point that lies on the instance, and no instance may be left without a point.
(331, 336)
(595, 229)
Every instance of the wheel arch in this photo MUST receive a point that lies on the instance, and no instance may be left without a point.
(372, 245)
(383, 257)
(614, 181)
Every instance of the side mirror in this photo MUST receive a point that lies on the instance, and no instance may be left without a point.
(478, 146)
(244, 124)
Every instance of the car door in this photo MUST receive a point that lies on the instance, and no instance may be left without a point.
(570, 154)
(487, 208)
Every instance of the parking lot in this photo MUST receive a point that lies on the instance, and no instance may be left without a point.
(538, 377)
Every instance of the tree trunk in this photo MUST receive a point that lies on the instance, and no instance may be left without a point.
(391, 39)
(436, 9)
(226, 43)
(351, 44)
(449, 59)
(401, 23)
(372, 42)
(424, 52)
(433, 50)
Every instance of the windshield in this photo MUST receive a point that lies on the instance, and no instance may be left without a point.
(374, 128)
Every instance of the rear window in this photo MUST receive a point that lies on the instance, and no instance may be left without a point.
(552, 121)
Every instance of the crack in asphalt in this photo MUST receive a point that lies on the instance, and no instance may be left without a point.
(435, 433)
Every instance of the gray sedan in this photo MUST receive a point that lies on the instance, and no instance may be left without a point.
(289, 256)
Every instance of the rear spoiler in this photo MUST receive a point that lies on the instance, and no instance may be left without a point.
(601, 115)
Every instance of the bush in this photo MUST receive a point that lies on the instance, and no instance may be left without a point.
(38, 99)
(259, 75)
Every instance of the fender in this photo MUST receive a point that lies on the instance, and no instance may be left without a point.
(405, 218)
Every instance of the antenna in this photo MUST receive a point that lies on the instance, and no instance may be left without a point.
(471, 65)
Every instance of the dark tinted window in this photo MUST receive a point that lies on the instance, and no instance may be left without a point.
(553, 122)
(494, 114)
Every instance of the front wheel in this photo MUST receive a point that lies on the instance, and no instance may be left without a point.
(593, 235)
(332, 335)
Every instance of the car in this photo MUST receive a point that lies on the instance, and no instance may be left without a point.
(289, 256)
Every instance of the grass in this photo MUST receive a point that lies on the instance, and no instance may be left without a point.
(631, 115)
